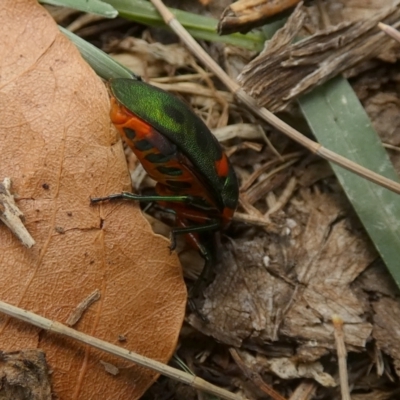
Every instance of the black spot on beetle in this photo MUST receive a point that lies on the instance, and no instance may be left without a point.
(157, 158)
(174, 113)
(171, 171)
(143, 145)
(178, 184)
(130, 133)
(46, 186)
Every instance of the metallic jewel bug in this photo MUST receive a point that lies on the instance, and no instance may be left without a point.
(195, 179)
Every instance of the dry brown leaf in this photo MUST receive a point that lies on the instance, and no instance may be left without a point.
(58, 146)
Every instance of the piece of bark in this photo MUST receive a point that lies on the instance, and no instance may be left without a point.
(76, 315)
(387, 328)
(244, 15)
(24, 375)
(290, 284)
(285, 368)
(285, 71)
(12, 216)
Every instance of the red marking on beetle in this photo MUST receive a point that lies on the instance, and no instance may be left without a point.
(118, 116)
(123, 118)
(227, 214)
(222, 166)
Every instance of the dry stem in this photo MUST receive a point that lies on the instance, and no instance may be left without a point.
(389, 30)
(255, 377)
(342, 356)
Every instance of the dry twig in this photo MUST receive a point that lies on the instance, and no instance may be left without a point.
(304, 391)
(76, 315)
(257, 173)
(389, 30)
(284, 198)
(262, 187)
(255, 377)
(12, 216)
(342, 356)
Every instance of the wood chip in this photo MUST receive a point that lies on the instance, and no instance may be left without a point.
(76, 315)
(12, 216)
(286, 70)
(244, 15)
(24, 375)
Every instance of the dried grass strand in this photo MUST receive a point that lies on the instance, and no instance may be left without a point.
(342, 356)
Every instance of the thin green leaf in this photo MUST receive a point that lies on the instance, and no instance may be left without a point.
(89, 6)
(199, 26)
(341, 124)
(102, 63)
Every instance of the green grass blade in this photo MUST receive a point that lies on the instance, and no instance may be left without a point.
(102, 63)
(341, 124)
(89, 6)
(199, 26)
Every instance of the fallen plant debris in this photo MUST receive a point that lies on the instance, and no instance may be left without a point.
(300, 258)
(11, 216)
(290, 284)
(286, 70)
(243, 15)
(24, 375)
(76, 315)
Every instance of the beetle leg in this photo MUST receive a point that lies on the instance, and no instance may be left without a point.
(138, 197)
(204, 278)
(212, 226)
(190, 230)
(193, 239)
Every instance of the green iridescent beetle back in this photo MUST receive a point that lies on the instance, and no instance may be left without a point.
(174, 119)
